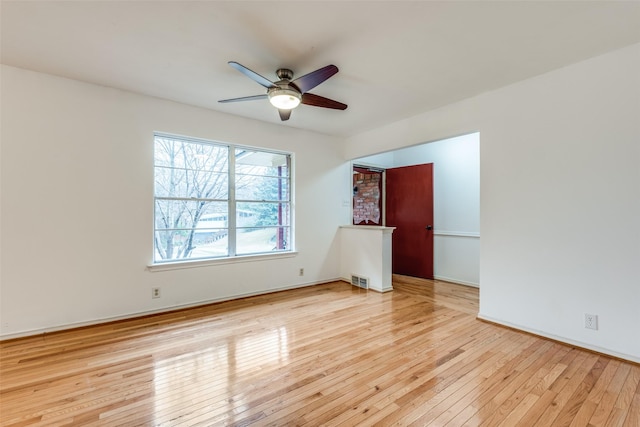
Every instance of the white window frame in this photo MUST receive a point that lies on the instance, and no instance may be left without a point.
(232, 257)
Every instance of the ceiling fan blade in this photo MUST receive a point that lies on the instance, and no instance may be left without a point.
(284, 114)
(314, 78)
(245, 98)
(320, 101)
(252, 75)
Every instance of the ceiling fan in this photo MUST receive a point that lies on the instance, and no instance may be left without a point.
(287, 94)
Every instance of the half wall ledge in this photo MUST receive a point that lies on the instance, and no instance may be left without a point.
(366, 252)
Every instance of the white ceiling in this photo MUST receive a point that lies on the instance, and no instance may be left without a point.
(396, 58)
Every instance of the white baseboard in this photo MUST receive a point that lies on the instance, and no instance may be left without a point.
(564, 340)
(32, 332)
(457, 281)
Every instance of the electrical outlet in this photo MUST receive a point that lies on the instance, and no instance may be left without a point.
(155, 292)
(591, 321)
(301, 273)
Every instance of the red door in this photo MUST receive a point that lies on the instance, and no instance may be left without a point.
(409, 208)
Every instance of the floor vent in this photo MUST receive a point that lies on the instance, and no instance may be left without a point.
(361, 282)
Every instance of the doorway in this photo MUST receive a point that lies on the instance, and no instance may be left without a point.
(367, 196)
(456, 201)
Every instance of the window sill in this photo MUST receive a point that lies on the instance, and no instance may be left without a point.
(177, 265)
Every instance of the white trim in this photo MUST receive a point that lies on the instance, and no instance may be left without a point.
(32, 332)
(473, 234)
(177, 265)
(456, 281)
(564, 340)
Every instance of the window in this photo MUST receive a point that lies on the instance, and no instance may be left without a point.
(214, 200)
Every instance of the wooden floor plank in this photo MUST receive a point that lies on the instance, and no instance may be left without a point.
(329, 354)
(610, 396)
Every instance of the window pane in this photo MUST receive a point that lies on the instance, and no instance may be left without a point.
(188, 214)
(175, 153)
(260, 240)
(190, 229)
(261, 163)
(215, 244)
(176, 245)
(251, 187)
(262, 214)
(187, 183)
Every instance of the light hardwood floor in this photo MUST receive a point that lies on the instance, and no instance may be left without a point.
(324, 355)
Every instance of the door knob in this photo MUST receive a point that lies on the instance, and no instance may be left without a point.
(428, 227)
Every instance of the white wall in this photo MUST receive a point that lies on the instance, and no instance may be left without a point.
(77, 204)
(560, 197)
(382, 160)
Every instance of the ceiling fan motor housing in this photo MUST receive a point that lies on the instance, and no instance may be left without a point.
(284, 74)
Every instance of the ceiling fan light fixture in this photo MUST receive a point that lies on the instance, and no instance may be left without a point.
(284, 98)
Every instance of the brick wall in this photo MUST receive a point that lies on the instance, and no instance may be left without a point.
(366, 198)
